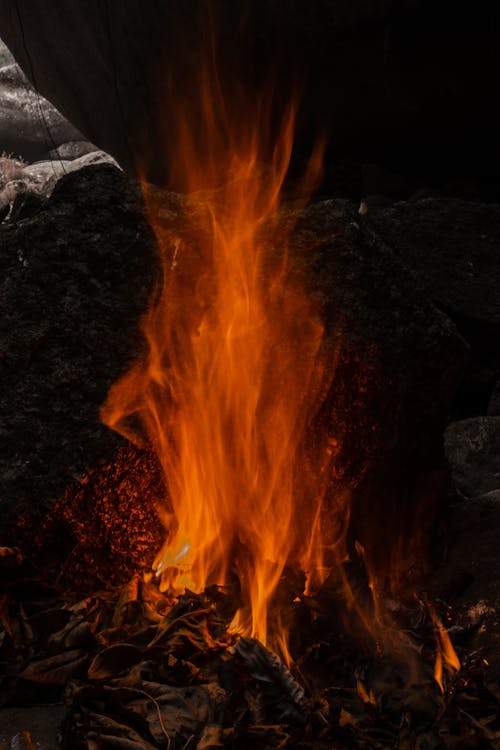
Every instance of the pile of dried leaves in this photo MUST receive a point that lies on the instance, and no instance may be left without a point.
(139, 672)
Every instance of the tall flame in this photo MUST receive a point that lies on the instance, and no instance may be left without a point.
(233, 372)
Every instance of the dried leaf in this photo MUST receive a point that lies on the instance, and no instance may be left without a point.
(110, 742)
(55, 670)
(171, 711)
(274, 735)
(4, 614)
(75, 634)
(210, 738)
(105, 732)
(283, 696)
(347, 719)
(186, 633)
(113, 660)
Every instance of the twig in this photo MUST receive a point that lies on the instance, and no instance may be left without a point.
(158, 711)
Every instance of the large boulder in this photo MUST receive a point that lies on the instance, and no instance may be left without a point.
(452, 247)
(473, 451)
(408, 83)
(74, 279)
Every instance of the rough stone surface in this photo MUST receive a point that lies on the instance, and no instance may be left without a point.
(473, 450)
(74, 279)
(453, 247)
(18, 179)
(71, 150)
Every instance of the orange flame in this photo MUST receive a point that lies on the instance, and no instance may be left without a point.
(445, 653)
(234, 371)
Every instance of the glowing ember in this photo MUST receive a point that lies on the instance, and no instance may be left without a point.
(233, 373)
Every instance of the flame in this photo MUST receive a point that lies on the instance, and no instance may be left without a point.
(234, 370)
(446, 655)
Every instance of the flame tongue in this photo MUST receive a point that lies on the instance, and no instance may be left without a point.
(229, 381)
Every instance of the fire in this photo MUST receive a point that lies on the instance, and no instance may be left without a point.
(234, 370)
(446, 656)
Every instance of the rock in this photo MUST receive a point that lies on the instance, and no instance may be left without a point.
(71, 150)
(25, 204)
(74, 279)
(40, 178)
(452, 247)
(473, 450)
(29, 124)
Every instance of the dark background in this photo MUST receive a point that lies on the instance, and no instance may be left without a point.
(411, 85)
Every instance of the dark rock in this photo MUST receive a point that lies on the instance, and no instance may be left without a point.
(452, 246)
(408, 83)
(74, 279)
(71, 150)
(473, 451)
(25, 205)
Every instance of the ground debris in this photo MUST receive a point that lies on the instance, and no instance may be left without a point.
(140, 670)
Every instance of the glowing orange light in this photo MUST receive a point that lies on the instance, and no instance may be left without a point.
(234, 370)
